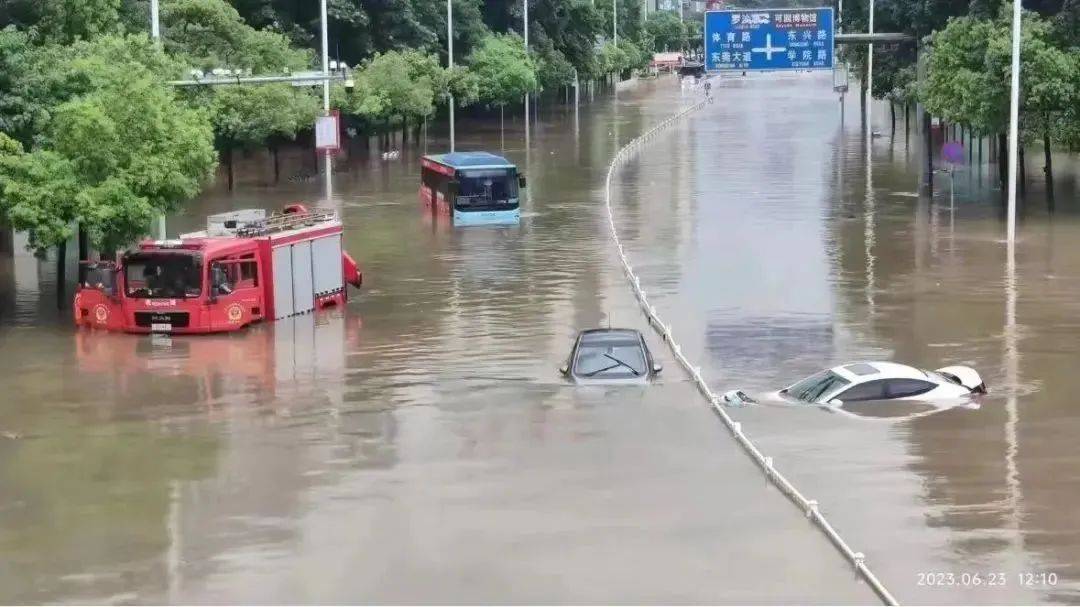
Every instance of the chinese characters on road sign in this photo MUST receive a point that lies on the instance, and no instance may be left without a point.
(769, 39)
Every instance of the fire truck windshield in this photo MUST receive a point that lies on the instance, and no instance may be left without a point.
(162, 275)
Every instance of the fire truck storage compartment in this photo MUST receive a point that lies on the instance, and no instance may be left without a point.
(326, 262)
(303, 270)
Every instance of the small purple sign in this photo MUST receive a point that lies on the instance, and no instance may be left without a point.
(953, 151)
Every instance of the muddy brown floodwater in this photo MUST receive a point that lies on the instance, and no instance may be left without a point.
(419, 446)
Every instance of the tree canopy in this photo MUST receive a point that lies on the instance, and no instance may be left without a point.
(116, 147)
(505, 72)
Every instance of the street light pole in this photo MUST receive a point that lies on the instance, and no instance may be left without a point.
(528, 115)
(870, 85)
(450, 61)
(615, 20)
(155, 20)
(1014, 121)
(326, 91)
(155, 33)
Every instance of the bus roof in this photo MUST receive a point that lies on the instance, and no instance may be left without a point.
(471, 160)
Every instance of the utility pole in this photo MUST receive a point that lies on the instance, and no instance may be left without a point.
(450, 61)
(1014, 121)
(326, 91)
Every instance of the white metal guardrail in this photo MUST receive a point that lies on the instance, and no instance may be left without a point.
(809, 506)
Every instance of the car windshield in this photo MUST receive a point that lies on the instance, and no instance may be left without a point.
(610, 360)
(814, 387)
(163, 275)
(486, 187)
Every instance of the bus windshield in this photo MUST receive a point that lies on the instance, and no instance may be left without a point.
(485, 189)
(162, 275)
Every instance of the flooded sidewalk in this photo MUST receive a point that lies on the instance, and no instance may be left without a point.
(420, 446)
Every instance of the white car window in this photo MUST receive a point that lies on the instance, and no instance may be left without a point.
(871, 390)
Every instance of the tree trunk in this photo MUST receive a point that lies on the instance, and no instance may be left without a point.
(84, 244)
(229, 166)
(928, 136)
(907, 122)
(1003, 159)
(892, 114)
(274, 152)
(502, 127)
(1023, 170)
(61, 278)
(1049, 168)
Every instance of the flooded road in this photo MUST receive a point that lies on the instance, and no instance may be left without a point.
(419, 447)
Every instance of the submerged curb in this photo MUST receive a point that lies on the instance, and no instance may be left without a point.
(808, 506)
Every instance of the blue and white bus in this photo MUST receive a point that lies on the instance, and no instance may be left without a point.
(472, 188)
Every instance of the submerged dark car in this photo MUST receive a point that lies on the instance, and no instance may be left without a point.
(610, 356)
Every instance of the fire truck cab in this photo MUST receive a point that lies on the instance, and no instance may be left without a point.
(244, 268)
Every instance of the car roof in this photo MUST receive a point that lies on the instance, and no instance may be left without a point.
(859, 372)
(608, 336)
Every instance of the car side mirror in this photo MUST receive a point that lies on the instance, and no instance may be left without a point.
(521, 181)
(657, 368)
(565, 369)
(213, 294)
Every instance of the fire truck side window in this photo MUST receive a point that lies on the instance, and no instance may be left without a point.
(223, 277)
(249, 274)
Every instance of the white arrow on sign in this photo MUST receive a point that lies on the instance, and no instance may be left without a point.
(768, 49)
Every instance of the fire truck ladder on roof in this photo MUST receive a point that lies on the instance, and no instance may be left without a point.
(283, 222)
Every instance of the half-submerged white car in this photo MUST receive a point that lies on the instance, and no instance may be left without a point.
(885, 381)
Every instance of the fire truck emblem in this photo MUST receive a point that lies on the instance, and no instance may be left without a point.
(101, 313)
(236, 312)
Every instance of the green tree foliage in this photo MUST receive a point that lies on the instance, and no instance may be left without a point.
(505, 72)
(968, 74)
(958, 87)
(250, 116)
(396, 85)
(210, 33)
(63, 21)
(666, 31)
(109, 157)
(565, 30)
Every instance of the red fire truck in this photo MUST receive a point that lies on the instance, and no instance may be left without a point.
(244, 268)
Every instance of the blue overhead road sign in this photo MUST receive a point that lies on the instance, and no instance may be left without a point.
(769, 39)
